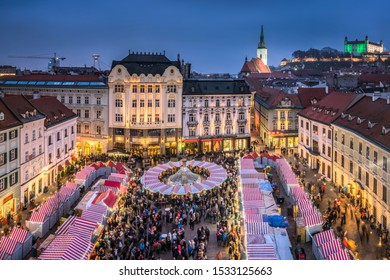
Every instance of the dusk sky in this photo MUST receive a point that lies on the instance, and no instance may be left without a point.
(213, 35)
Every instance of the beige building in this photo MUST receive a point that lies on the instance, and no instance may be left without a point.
(362, 153)
(145, 100)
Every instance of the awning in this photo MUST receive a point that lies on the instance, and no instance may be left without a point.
(60, 168)
(191, 141)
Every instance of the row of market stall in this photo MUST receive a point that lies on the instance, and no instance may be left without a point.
(266, 237)
(326, 246)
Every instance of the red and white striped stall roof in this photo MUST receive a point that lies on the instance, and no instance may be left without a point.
(312, 220)
(19, 235)
(249, 195)
(80, 232)
(261, 252)
(92, 216)
(250, 218)
(330, 247)
(67, 247)
(323, 237)
(66, 191)
(81, 222)
(72, 186)
(64, 227)
(38, 217)
(8, 245)
(2, 255)
(257, 228)
(98, 208)
(254, 204)
(340, 255)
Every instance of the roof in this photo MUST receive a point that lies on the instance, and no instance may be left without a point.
(369, 118)
(255, 65)
(307, 95)
(43, 80)
(215, 86)
(273, 75)
(146, 63)
(10, 120)
(376, 79)
(55, 111)
(329, 108)
(22, 108)
(272, 98)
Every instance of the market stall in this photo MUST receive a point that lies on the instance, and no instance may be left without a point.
(38, 224)
(261, 252)
(12, 248)
(23, 237)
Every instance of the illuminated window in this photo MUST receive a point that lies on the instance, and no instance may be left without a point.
(98, 114)
(86, 128)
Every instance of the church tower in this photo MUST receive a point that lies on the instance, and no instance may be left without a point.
(261, 48)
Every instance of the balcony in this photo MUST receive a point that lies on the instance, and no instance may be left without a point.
(217, 122)
(145, 124)
(244, 121)
(229, 122)
(206, 123)
(192, 123)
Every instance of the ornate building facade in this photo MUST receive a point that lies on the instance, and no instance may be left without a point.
(216, 115)
(145, 97)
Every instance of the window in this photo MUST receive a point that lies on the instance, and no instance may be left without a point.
(171, 103)
(78, 99)
(118, 117)
(282, 115)
(135, 89)
(58, 153)
(282, 126)
(142, 88)
(330, 134)
(72, 129)
(3, 184)
(241, 116)
(323, 132)
(70, 100)
(206, 130)
(13, 134)
(66, 148)
(302, 123)
(217, 117)
(50, 142)
(58, 136)
(98, 100)
(171, 88)
(351, 144)
(86, 100)
(40, 149)
(228, 116)
(228, 130)
(367, 152)
(375, 186)
(86, 114)
(157, 118)
(98, 114)
(134, 118)
(150, 103)
(26, 175)
(228, 103)
(275, 126)
(217, 104)
(241, 102)
(335, 136)
(149, 118)
(86, 128)
(78, 113)
(217, 131)
(157, 103)
(342, 161)
(171, 118)
(50, 158)
(335, 157)
(98, 130)
(142, 119)
(13, 154)
(157, 89)
(384, 193)
(351, 167)
(134, 103)
(307, 125)
(13, 178)
(150, 89)
(62, 99)
(290, 114)
(78, 128)
(323, 149)
(39, 132)
(343, 138)
(367, 179)
(192, 131)
(206, 103)
(359, 173)
(25, 156)
(3, 137)
(384, 164)
(206, 118)
(241, 130)
(142, 103)
(26, 138)
(119, 103)
(33, 152)
(329, 151)
(119, 88)
(360, 148)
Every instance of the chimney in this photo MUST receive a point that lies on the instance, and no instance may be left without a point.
(326, 90)
(36, 94)
(187, 73)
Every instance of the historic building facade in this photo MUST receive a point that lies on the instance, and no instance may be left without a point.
(145, 100)
(216, 115)
(9, 161)
(86, 95)
(359, 47)
(362, 152)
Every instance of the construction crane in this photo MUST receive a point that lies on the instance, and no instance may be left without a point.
(54, 61)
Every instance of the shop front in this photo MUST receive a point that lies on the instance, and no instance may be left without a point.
(191, 146)
(153, 150)
(9, 202)
(206, 146)
(171, 149)
(242, 143)
(217, 144)
(228, 145)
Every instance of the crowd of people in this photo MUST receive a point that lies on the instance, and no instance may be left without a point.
(147, 225)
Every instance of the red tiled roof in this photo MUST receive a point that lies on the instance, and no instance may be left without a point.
(54, 110)
(57, 78)
(306, 95)
(9, 118)
(19, 105)
(273, 75)
(374, 78)
(376, 112)
(329, 108)
(255, 65)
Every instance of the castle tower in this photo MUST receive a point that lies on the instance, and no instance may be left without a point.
(261, 48)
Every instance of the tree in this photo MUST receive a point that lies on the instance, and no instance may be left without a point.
(299, 54)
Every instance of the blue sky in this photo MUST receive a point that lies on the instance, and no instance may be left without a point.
(213, 35)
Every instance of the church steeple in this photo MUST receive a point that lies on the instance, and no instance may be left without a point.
(262, 43)
(262, 51)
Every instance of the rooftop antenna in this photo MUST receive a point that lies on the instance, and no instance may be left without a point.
(96, 61)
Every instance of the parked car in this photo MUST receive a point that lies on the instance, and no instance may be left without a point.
(300, 253)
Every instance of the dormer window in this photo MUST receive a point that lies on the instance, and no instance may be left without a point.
(333, 113)
(371, 125)
(327, 112)
(1, 116)
(350, 118)
(385, 130)
(342, 115)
